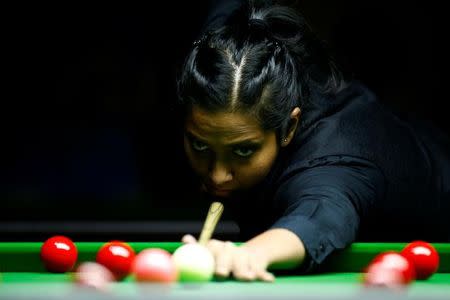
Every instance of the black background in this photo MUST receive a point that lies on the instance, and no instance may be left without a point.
(88, 128)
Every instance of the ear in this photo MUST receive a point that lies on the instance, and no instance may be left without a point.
(293, 123)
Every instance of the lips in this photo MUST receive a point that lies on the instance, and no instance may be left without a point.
(220, 192)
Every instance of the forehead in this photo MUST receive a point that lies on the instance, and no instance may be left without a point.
(223, 123)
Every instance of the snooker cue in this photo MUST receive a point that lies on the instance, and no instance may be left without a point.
(213, 216)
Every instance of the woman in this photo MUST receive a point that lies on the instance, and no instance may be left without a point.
(307, 161)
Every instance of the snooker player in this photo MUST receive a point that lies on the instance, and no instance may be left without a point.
(305, 158)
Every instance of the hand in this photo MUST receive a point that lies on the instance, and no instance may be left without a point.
(241, 262)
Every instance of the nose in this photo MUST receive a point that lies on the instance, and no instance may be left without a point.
(220, 173)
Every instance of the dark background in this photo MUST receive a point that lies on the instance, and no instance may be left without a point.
(89, 135)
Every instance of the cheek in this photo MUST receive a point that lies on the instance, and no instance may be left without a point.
(257, 169)
(198, 165)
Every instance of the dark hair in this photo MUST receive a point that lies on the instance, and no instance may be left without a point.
(263, 61)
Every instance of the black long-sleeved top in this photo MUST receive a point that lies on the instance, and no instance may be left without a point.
(354, 172)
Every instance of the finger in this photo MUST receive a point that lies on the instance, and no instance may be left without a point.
(188, 239)
(244, 273)
(224, 260)
(260, 268)
(265, 276)
(241, 266)
(215, 246)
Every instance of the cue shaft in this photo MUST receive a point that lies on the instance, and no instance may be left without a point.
(212, 218)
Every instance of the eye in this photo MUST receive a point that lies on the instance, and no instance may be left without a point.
(244, 151)
(199, 146)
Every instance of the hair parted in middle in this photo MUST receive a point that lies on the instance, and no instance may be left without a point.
(262, 61)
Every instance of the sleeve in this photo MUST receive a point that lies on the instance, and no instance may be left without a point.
(323, 206)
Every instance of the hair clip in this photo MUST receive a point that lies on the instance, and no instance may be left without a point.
(197, 42)
(201, 40)
(274, 44)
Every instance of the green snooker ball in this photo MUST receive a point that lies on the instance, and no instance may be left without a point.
(194, 262)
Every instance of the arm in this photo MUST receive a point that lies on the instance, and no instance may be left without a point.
(323, 205)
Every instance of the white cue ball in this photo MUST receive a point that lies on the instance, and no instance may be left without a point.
(194, 262)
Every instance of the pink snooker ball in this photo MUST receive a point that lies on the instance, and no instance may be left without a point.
(154, 265)
(94, 275)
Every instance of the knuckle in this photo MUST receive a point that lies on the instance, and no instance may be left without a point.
(222, 272)
(214, 243)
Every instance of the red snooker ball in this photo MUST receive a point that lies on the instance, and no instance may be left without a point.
(424, 257)
(118, 257)
(59, 254)
(395, 262)
(155, 265)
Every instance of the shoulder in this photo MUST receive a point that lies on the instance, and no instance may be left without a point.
(352, 122)
(325, 168)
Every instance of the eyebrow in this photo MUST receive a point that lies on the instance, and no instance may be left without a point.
(244, 142)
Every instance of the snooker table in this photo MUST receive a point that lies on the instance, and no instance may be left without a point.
(22, 276)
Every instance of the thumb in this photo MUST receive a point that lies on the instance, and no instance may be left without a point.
(189, 239)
